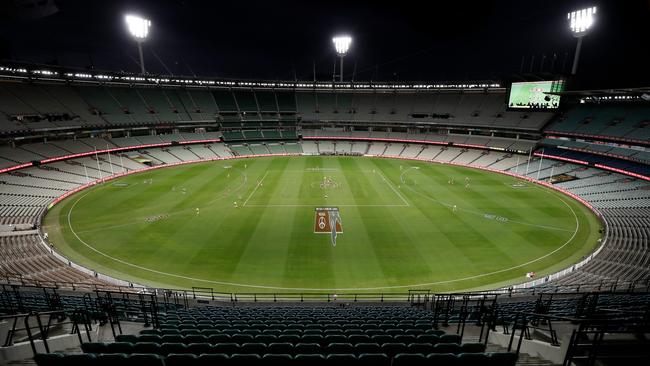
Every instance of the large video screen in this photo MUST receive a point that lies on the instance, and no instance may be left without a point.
(532, 95)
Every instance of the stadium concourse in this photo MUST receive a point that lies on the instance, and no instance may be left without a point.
(62, 133)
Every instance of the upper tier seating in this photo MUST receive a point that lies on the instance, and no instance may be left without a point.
(26, 107)
(628, 122)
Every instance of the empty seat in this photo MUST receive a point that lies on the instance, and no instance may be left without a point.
(199, 348)
(173, 338)
(341, 348)
(226, 348)
(309, 360)
(212, 359)
(111, 359)
(446, 348)
(443, 359)
(308, 348)
(472, 347)
(373, 359)
(120, 347)
(409, 359)
(178, 359)
(94, 347)
(132, 338)
(276, 359)
(369, 348)
(169, 348)
(392, 349)
(423, 348)
(281, 348)
(144, 359)
(147, 347)
(340, 359)
(450, 338)
(150, 338)
(239, 359)
(253, 348)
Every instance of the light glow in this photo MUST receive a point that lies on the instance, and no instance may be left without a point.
(342, 44)
(581, 20)
(138, 26)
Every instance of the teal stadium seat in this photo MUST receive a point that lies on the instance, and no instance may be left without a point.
(94, 347)
(341, 359)
(447, 348)
(111, 359)
(200, 348)
(174, 347)
(49, 359)
(308, 348)
(443, 359)
(132, 338)
(144, 359)
(281, 348)
(369, 348)
(179, 359)
(410, 359)
(212, 359)
(309, 360)
(254, 348)
(277, 359)
(472, 348)
(173, 338)
(450, 338)
(227, 348)
(120, 347)
(373, 359)
(341, 348)
(423, 348)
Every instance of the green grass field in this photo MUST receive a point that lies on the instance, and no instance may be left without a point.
(399, 227)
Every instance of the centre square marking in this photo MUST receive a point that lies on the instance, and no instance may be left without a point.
(327, 220)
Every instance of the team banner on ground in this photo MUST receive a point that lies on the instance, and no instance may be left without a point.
(327, 220)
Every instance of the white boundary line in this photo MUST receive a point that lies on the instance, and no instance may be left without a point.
(317, 289)
(255, 189)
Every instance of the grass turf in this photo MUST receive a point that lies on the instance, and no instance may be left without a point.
(400, 231)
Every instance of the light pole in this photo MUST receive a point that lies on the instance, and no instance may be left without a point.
(580, 21)
(342, 45)
(139, 29)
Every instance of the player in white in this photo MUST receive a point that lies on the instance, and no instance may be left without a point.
(235, 204)
(197, 210)
(455, 208)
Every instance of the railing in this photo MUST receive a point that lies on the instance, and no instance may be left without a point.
(38, 326)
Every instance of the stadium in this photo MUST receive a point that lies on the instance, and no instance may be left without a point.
(156, 217)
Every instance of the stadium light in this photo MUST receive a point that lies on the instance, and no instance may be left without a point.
(580, 21)
(342, 45)
(139, 29)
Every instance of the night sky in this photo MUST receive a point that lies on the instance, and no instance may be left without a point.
(397, 40)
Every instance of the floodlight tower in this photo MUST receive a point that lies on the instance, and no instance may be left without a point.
(139, 29)
(342, 45)
(580, 21)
